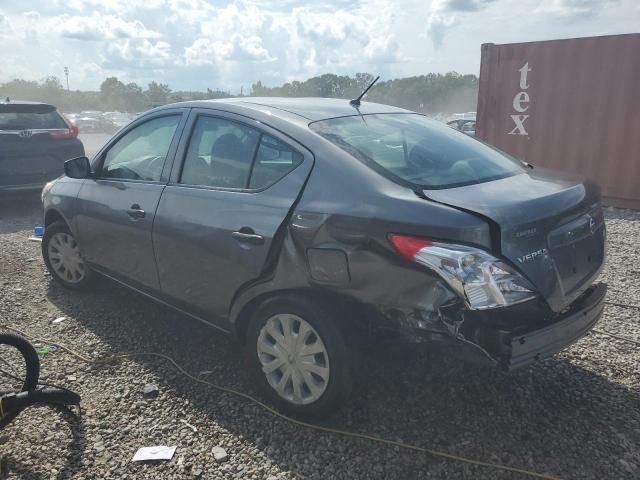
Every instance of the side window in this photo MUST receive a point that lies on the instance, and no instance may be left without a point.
(274, 160)
(220, 154)
(140, 154)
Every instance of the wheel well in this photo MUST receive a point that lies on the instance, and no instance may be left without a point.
(52, 216)
(355, 313)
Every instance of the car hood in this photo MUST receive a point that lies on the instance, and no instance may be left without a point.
(549, 225)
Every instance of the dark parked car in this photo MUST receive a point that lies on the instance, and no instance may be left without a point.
(35, 141)
(95, 124)
(118, 119)
(465, 125)
(304, 227)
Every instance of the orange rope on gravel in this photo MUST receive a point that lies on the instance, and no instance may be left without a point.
(622, 305)
(618, 337)
(362, 436)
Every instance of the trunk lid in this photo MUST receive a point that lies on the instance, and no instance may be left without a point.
(550, 225)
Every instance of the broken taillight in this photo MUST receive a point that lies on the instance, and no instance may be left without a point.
(481, 279)
(409, 246)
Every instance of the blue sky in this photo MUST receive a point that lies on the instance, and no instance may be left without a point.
(199, 44)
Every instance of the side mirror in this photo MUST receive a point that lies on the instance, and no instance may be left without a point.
(78, 167)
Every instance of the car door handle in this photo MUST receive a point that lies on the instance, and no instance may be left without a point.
(136, 212)
(248, 236)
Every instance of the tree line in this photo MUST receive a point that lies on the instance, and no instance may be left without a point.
(114, 95)
(431, 93)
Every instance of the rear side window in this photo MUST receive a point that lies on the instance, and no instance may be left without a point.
(226, 154)
(31, 121)
(273, 161)
(220, 154)
(410, 148)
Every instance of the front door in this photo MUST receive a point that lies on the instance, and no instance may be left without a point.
(217, 219)
(116, 208)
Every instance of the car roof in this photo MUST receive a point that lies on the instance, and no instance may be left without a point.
(24, 106)
(311, 109)
(22, 102)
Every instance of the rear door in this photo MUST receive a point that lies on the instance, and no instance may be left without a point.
(34, 143)
(232, 187)
(116, 208)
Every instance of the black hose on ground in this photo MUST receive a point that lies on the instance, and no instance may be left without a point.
(11, 405)
(31, 360)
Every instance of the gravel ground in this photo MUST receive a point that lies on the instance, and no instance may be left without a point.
(576, 415)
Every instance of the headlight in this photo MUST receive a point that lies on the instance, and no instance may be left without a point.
(477, 276)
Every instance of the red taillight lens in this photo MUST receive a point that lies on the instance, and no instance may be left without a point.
(408, 246)
(71, 132)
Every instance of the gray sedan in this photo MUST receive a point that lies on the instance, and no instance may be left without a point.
(306, 227)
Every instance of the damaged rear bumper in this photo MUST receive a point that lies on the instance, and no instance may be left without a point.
(508, 338)
(489, 340)
(525, 348)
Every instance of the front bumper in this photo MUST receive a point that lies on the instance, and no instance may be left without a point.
(521, 349)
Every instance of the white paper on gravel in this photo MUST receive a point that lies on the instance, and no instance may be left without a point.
(159, 452)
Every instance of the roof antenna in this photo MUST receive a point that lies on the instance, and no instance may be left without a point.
(356, 101)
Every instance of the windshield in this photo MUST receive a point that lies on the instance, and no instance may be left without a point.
(413, 149)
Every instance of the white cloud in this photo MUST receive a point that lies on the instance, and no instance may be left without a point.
(445, 15)
(205, 51)
(438, 25)
(573, 8)
(138, 53)
(115, 6)
(195, 44)
(5, 26)
(100, 27)
(32, 15)
(382, 49)
(463, 5)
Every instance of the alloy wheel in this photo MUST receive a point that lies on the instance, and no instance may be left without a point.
(64, 256)
(294, 359)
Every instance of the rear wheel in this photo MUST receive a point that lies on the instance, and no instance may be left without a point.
(61, 254)
(298, 356)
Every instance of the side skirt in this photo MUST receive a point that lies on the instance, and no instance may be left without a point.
(160, 301)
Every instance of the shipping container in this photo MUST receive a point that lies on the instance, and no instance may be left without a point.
(571, 105)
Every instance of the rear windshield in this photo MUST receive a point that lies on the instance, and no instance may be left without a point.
(413, 149)
(31, 121)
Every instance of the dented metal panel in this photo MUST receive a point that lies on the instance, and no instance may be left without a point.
(567, 105)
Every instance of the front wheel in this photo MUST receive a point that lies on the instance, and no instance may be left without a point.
(298, 356)
(61, 254)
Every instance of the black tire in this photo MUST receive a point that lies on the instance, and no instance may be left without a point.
(323, 322)
(60, 226)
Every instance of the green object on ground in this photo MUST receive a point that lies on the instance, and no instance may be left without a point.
(42, 351)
